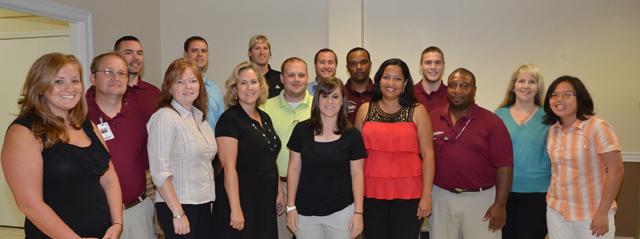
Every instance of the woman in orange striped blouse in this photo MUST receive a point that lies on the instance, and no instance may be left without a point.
(586, 164)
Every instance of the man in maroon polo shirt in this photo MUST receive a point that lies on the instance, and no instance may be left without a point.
(430, 91)
(146, 94)
(474, 165)
(359, 86)
(122, 123)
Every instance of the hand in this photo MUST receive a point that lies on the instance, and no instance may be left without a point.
(181, 225)
(424, 208)
(237, 220)
(599, 224)
(280, 204)
(497, 216)
(356, 225)
(113, 232)
(292, 220)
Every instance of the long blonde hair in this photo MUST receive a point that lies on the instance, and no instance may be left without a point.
(47, 126)
(529, 69)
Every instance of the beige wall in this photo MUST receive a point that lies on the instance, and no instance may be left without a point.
(115, 18)
(597, 41)
(294, 28)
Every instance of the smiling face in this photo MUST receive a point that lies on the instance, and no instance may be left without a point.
(133, 53)
(525, 87)
(65, 92)
(186, 88)
(199, 52)
(248, 87)
(432, 66)
(563, 102)
(331, 103)
(392, 82)
(260, 53)
(111, 76)
(326, 65)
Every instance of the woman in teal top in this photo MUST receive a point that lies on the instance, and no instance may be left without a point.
(522, 114)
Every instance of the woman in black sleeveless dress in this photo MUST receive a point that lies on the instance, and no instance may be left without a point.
(55, 163)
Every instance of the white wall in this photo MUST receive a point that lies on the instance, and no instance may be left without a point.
(597, 41)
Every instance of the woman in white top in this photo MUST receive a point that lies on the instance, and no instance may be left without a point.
(181, 147)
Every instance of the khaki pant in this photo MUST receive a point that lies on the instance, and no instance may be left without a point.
(459, 215)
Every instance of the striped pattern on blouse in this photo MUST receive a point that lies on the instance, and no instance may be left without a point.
(577, 172)
(181, 145)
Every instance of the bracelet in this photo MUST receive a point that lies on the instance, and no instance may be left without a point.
(289, 209)
(358, 213)
(117, 223)
(178, 216)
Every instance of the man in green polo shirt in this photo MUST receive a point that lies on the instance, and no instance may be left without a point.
(293, 105)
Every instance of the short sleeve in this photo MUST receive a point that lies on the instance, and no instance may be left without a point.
(295, 140)
(605, 138)
(500, 146)
(357, 150)
(227, 125)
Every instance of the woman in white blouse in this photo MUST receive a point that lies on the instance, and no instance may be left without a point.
(181, 146)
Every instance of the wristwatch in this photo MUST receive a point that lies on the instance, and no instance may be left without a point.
(178, 216)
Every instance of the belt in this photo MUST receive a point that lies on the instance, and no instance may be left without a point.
(283, 179)
(462, 190)
(135, 202)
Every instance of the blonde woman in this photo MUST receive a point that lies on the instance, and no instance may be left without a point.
(522, 113)
(248, 150)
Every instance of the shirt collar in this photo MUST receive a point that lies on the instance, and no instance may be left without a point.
(184, 113)
(441, 89)
(578, 124)
(306, 101)
(472, 112)
(370, 89)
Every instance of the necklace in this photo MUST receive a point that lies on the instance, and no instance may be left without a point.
(526, 118)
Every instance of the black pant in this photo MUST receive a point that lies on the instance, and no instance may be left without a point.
(386, 219)
(526, 216)
(199, 216)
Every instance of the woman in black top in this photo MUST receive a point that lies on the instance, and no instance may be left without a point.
(325, 174)
(55, 163)
(248, 147)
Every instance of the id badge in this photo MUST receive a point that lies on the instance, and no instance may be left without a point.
(105, 130)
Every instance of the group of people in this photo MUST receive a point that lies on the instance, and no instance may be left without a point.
(277, 154)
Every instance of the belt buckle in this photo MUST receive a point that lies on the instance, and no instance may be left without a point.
(458, 190)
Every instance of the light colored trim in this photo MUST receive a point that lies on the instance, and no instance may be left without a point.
(33, 34)
(80, 25)
(631, 157)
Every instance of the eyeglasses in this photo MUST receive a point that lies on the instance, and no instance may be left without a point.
(112, 74)
(562, 95)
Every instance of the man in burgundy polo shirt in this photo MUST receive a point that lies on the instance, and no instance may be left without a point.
(430, 91)
(474, 165)
(122, 123)
(147, 94)
(359, 86)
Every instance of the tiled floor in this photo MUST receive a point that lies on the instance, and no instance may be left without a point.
(11, 233)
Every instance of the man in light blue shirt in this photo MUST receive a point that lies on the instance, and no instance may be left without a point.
(325, 63)
(197, 49)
